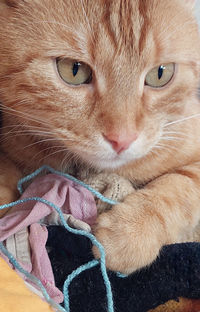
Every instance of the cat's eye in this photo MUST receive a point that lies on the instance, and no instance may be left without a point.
(74, 72)
(160, 76)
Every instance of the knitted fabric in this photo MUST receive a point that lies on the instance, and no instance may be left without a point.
(117, 188)
(175, 273)
(110, 185)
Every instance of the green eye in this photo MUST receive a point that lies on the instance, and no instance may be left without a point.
(74, 72)
(160, 76)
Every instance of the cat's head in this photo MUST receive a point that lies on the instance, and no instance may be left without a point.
(101, 77)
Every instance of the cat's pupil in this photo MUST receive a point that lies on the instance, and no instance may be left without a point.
(75, 68)
(160, 71)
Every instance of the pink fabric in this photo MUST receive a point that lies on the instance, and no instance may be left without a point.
(70, 198)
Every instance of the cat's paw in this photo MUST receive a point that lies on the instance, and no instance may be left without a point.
(131, 237)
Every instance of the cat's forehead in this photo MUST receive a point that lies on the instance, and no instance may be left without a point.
(126, 25)
(133, 27)
(106, 29)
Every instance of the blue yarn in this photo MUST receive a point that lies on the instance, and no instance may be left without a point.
(121, 275)
(77, 232)
(70, 278)
(32, 278)
(68, 176)
(94, 241)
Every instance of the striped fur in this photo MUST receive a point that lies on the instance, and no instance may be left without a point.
(48, 121)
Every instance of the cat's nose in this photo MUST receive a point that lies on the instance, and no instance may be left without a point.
(120, 142)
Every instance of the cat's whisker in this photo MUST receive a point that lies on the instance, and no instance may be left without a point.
(44, 150)
(165, 138)
(27, 132)
(48, 138)
(61, 150)
(43, 141)
(44, 135)
(20, 126)
(154, 152)
(6, 136)
(62, 166)
(181, 120)
(47, 132)
(7, 139)
(157, 147)
(169, 148)
(67, 160)
(178, 133)
(30, 116)
(15, 113)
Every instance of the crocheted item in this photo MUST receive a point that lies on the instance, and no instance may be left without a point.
(116, 188)
(110, 185)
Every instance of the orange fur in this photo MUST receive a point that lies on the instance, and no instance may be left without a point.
(47, 121)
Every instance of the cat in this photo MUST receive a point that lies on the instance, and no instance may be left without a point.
(109, 85)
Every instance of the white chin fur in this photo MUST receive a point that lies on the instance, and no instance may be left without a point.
(107, 158)
(109, 164)
(111, 160)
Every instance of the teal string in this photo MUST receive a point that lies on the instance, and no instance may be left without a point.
(31, 278)
(84, 267)
(70, 278)
(68, 176)
(92, 238)
(121, 275)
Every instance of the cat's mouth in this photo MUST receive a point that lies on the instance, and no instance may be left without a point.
(103, 156)
(110, 160)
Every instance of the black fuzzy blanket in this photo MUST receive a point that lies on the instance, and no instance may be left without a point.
(176, 273)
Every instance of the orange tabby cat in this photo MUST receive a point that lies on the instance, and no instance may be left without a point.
(110, 84)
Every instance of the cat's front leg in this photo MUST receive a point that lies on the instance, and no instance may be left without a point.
(9, 175)
(134, 231)
(131, 234)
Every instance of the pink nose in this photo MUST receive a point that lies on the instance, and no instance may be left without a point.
(120, 142)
